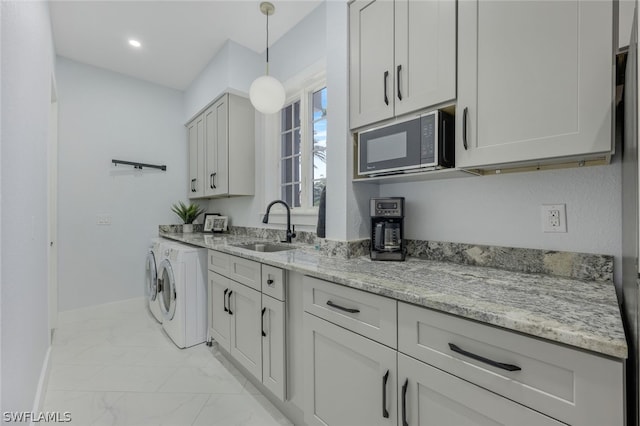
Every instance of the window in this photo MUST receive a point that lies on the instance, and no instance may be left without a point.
(290, 164)
(303, 147)
(319, 148)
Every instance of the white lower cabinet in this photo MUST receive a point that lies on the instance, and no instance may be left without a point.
(572, 386)
(274, 360)
(428, 396)
(219, 318)
(349, 379)
(244, 313)
(235, 321)
(246, 323)
(450, 370)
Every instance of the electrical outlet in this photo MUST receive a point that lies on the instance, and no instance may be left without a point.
(103, 219)
(554, 218)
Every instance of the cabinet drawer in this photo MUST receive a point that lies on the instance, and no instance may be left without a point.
(218, 262)
(429, 396)
(273, 281)
(245, 271)
(547, 377)
(368, 314)
(238, 269)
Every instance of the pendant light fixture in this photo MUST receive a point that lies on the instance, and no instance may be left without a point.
(267, 93)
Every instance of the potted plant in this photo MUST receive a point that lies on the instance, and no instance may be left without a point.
(187, 213)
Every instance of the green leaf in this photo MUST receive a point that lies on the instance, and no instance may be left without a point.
(187, 213)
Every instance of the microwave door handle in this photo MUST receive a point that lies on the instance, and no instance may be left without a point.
(444, 144)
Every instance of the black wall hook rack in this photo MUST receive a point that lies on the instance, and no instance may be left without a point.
(139, 165)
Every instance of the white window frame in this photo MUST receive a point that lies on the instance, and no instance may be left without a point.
(297, 89)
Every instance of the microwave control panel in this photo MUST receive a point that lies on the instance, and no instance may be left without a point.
(427, 138)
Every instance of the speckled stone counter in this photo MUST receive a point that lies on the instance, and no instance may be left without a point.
(583, 314)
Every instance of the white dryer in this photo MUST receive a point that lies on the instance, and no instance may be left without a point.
(154, 257)
(183, 293)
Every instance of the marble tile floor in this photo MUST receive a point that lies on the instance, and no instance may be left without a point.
(113, 365)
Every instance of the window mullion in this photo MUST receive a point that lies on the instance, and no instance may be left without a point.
(304, 138)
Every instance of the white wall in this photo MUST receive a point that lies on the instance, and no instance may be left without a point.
(302, 46)
(299, 50)
(104, 115)
(504, 210)
(497, 210)
(27, 67)
(232, 69)
(347, 205)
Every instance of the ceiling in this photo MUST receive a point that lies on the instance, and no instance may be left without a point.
(178, 38)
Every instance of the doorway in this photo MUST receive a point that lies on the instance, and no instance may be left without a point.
(52, 209)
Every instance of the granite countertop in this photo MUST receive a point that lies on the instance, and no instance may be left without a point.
(582, 314)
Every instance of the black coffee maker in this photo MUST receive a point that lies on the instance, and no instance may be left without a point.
(387, 223)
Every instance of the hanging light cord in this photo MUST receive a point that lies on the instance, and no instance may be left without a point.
(267, 42)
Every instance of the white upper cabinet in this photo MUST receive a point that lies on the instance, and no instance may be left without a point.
(535, 81)
(425, 53)
(402, 57)
(196, 160)
(371, 78)
(216, 148)
(221, 149)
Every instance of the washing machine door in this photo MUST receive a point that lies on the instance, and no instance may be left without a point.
(167, 291)
(151, 277)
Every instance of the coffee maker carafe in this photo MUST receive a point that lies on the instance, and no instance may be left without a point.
(387, 223)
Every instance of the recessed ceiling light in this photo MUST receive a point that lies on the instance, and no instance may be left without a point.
(134, 43)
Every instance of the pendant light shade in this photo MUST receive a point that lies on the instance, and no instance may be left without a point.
(267, 93)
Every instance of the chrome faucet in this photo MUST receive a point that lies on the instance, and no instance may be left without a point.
(290, 232)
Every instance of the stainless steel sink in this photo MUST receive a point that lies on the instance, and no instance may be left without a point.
(265, 247)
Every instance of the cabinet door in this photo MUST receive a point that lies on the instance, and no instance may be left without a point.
(349, 379)
(428, 396)
(273, 346)
(216, 147)
(535, 79)
(196, 157)
(219, 318)
(371, 73)
(246, 345)
(425, 53)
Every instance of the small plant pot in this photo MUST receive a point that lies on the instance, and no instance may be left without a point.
(187, 228)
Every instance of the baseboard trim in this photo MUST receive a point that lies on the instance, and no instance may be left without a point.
(43, 382)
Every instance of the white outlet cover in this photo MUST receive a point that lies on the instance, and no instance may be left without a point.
(549, 222)
(103, 220)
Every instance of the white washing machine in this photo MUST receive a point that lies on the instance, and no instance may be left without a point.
(154, 257)
(183, 293)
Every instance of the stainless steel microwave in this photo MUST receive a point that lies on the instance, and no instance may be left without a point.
(422, 142)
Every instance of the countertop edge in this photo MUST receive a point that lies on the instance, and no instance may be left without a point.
(522, 322)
